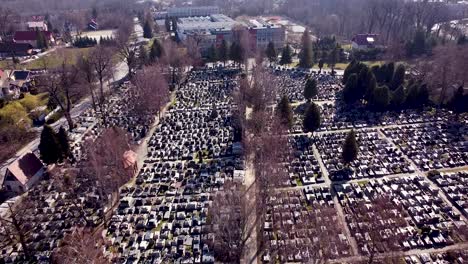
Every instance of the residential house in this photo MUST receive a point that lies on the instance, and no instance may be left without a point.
(8, 49)
(12, 83)
(364, 41)
(37, 23)
(6, 90)
(23, 174)
(30, 37)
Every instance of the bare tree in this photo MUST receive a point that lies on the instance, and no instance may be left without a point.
(126, 45)
(63, 87)
(81, 246)
(88, 76)
(106, 165)
(102, 62)
(151, 91)
(15, 227)
(6, 22)
(228, 215)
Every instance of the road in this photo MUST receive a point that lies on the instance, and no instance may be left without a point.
(120, 72)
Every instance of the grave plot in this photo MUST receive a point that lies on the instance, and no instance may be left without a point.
(149, 225)
(302, 167)
(432, 146)
(292, 82)
(398, 214)
(455, 187)
(47, 214)
(190, 155)
(187, 135)
(376, 156)
(207, 88)
(303, 227)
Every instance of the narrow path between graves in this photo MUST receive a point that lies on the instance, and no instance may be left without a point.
(251, 247)
(459, 246)
(419, 172)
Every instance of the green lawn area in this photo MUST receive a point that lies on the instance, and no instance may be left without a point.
(342, 66)
(18, 110)
(51, 60)
(55, 58)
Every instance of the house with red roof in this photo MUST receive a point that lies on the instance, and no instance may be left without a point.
(31, 37)
(23, 174)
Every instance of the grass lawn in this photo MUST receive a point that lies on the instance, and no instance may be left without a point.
(342, 66)
(55, 58)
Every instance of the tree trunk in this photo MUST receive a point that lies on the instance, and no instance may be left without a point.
(101, 90)
(69, 121)
(93, 98)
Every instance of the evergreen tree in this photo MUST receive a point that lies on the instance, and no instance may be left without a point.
(306, 59)
(211, 55)
(214, 112)
(223, 52)
(147, 30)
(362, 83)
(350, 148)
(271, 52)
(412, 96)
(310, 89)
(462, 40)
(49, 146)
(349, 91)
(321, 63)
(143, 56)
(62, 138)
(174, 24)
(284, 112)
(371, 85)
(380, 98)
(312, 119)
(398, 98)
(156, 51)
(167, 23)
(41, 40)
(398, 77)
(286, 56)
(236, 53)
(333, 58)
(350, 69)
(459, 101)
(390, 70)
(423, 95)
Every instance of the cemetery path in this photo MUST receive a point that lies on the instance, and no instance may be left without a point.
(460, 246)
(342, 219)
(251, 247)
(323, 169)
(419, 172)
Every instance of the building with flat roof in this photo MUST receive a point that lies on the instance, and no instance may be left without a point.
(213, 29)
(192, 11)
(262, 33)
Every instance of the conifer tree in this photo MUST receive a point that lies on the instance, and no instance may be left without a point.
(286, 56)
(306, 59)
(310, 89)
(350, 148)
(49, 146)
(312, 119)
(284, 111)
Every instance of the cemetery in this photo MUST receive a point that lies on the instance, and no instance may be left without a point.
(432, 146)
(399, 214)
(376, 157)
(303, 168)
(292, 82)
(192, 152)
(303, 225)
(454, 185)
